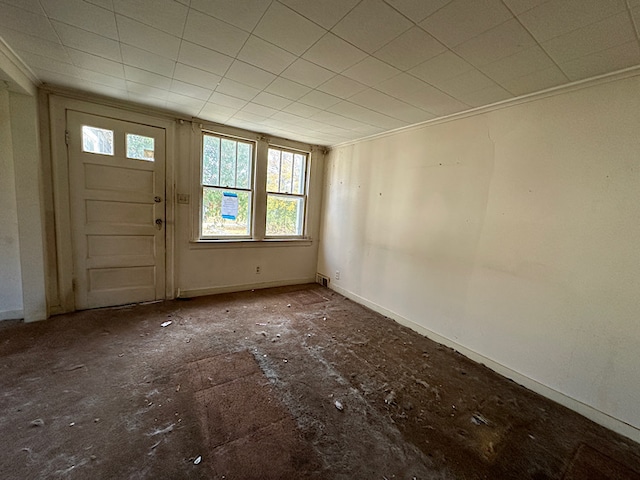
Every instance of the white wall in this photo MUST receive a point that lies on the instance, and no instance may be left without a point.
(206, 268)
(10, 275)
(513, 235)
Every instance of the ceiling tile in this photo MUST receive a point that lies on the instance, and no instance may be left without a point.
(190, 90)
(467, 82)
(271, 100)
(444, 66)
(236, 89)
(204, 58)
(522, 63)
(334, 53)
(29, 43)
(605, 61)
(26, 22)
(255, 109)
(307, 73)
(326, 13)
(390, 106)
(147, 61)
(535, 81)
(418, 10)
(424, 96)
(519, 6)
(502, 41)
(31, 5)
(146, 93)
(108, 4)
(336, 120)
(289, 30)
(101, 79)
(249, 75)
(244, 14)
(87, 42)
(83, 15)
(371, 25)
(179, 100)
(165, 15)
(214, 34)
(319, 99)
(371, 71)
(486, 96)
(301, 110)
(40, 62)
(147, 78)
(461, 20)
(556, 17)
(147, 38)
(195, 76)
(341, 87)
(410, 49)
(217, 113)
(592, 38)
(288, 89)
(227, 100)
(356, 112)
(265, 55)
(95, 63)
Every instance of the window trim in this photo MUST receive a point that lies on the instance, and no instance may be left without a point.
(304, 195)
(259, 194)
(201, 186)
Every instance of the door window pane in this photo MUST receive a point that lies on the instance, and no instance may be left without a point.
(140, 147)
(97, 140)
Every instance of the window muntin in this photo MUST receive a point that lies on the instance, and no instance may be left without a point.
(140, 147)
(97, 140)
(226, 187)
(286, 193)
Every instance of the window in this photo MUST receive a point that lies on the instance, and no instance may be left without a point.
(97, 140)
(227, 187)
(251, 190)
(140, 147)
(286, 172)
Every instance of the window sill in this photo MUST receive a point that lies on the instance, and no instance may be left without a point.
(250, 243)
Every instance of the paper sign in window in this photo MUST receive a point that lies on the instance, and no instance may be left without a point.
(229, 205)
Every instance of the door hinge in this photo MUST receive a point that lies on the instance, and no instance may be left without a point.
(66, 137)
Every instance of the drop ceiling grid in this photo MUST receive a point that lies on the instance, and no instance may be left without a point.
(330, 72)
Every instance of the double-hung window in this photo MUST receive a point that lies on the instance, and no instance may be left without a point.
(286, 192)
(227, 187)
(251, 190)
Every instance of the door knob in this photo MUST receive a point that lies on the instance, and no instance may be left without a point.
(159, 223)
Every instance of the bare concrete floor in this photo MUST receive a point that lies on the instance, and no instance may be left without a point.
(287, 383)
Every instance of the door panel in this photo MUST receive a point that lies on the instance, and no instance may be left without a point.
(117, 210)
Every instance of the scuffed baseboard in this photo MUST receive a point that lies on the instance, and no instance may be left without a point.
(583, 409)
(199, 292)
(11, 315)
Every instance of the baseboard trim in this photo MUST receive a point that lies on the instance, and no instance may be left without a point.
(11, 315)
(200, 292)
(583, 409)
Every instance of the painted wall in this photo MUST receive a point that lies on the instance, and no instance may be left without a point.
(10, 275)
(513, 235)
(206, 268)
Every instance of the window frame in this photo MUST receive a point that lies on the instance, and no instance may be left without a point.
(251, 190)
(261, 145)
(305, 190)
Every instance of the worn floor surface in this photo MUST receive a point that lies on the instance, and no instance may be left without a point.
(290, 383)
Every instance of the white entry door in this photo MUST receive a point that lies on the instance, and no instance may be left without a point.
(117, 193)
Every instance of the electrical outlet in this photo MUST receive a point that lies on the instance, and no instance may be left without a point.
(337, 274)
(183, 198)
(258, 270)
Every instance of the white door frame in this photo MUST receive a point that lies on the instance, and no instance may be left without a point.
(58, 106)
